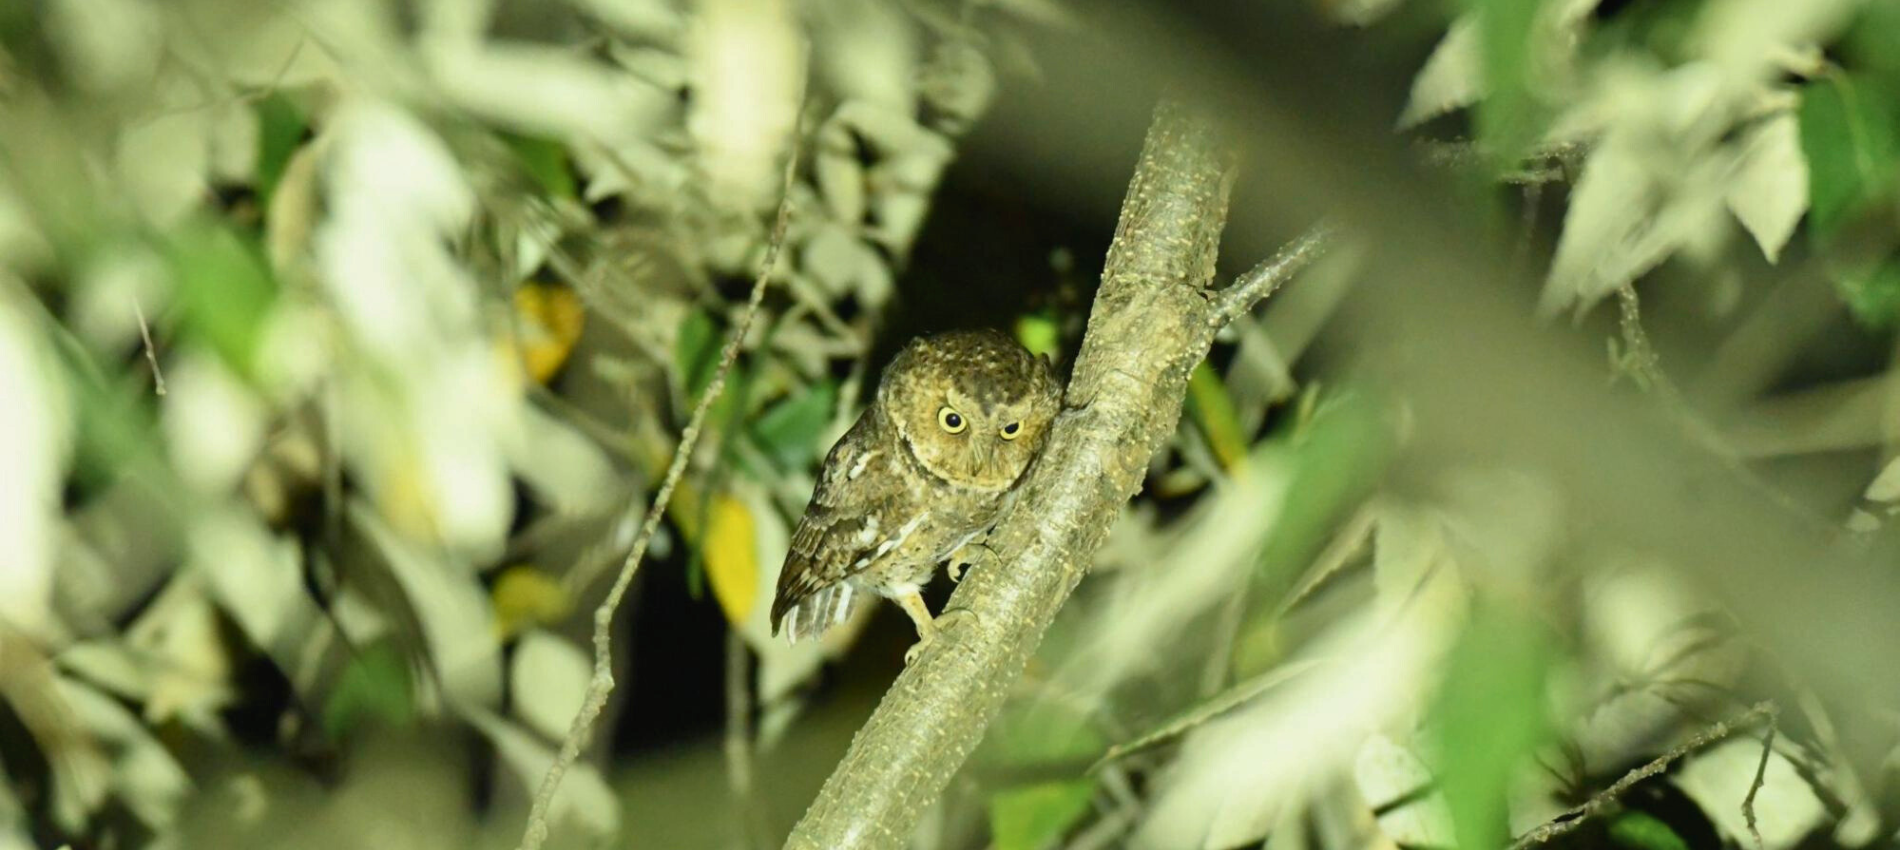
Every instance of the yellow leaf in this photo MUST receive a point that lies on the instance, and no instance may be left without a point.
(524, 596)
(549, 319)
(731, 556)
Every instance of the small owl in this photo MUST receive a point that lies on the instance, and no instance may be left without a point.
(925, 470)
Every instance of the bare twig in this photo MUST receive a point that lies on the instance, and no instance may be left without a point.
(1597, 804)
(602, 683)
(1761, 773)
(1262, 280)
(151, 353)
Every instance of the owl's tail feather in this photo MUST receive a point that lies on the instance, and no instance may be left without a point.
(820, 611)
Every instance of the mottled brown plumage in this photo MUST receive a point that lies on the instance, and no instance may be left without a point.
(927, 468)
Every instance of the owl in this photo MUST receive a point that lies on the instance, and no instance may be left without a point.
(926, 469)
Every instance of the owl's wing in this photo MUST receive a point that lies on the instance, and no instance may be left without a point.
(837, 532)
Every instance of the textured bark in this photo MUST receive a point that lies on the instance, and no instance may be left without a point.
(1153, 320)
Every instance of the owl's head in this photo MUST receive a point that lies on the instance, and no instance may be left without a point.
(972, 406)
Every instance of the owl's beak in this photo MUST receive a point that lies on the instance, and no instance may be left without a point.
(985, 454)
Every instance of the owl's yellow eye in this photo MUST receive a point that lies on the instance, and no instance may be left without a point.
(951, 421)
(1012, 430)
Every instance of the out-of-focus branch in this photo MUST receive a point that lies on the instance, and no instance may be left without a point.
(1153, 320)
(602, 682)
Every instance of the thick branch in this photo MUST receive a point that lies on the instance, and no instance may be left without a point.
(1153, 319)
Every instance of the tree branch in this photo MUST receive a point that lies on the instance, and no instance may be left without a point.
(1153, 320)
(1265, 279)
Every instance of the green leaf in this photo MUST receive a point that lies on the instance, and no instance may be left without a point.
(1848, 133)
(1644, 831)
(1043, 732)
(1489, 718)
(545, 161)
(1212, 410)
(1873, 293)
(1038, 332)
(1869, 42)
(1509, 115)
(374, 688)
(280, 128)
(1035, 816)
(225, 290)
(789, 431)
(1335, 457)
(696, 354)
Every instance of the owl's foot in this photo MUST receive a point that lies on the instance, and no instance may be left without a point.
(928, 633)
(927, 627)
(969, 555)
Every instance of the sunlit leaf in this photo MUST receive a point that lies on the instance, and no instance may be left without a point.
(1770, 188)
(1848, 133)
(373, 689)
(1402, 793)
(548, 678)
(1451, 79)
(1031, 817)
(731, 558)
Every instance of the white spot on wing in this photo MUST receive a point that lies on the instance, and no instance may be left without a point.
(843, 605)
(857, 468)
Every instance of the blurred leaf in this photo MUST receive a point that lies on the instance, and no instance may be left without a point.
(1206, 710)
(1396, 784)
(1873, 293)
(280, 128)
(1039, 333)
(1870, 42)
(696, 354)
(224, 289)
(1336, 457)
(1212, 410)
(1644, 831)
(545, 161)
(524, 596)
(1451, 79)
(1659, 27)
(1489, 718)
(1770, 189)
(549, 677)
(584, 796)
(731, 558)
(549, 319)
(789, 431)
(1042, 732)
(1034, 816)
(1509, 115)
(1848, 133)
(374, 688)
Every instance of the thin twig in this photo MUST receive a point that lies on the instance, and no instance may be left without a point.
(151, 353)
(1262, 280)
(1576, 817)
(1761, 773)
(602, 683)
(739, 738)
